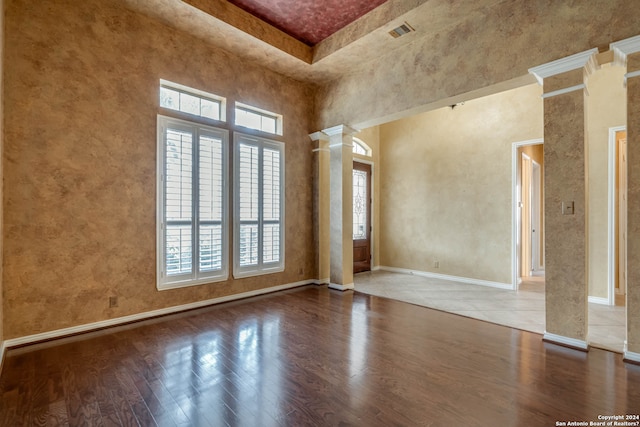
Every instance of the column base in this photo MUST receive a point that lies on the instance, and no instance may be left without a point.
(566, 341)
(347, 287)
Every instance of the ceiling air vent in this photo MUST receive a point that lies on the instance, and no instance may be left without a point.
(401, 30)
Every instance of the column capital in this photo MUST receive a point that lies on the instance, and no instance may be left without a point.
(623, 48)
(340, 130)
(319, 136)
(584, 60)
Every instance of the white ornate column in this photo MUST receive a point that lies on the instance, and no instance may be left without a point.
(323, 197)
(627, 53)
(335, 206)
(341, 206)
(566, 201)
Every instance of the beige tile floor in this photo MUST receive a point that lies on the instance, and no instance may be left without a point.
(523, 309)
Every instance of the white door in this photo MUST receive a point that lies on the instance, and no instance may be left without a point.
(536, 223)
(622, 216)
(526, 168)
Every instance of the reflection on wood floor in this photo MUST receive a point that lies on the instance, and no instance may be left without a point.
(524, 309)
(313, 356)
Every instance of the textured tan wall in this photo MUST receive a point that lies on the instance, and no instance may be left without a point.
(491, 46)
(321, 207)
(633, 219)
(323, 210)
(606, 108)
(81, 97)
(566, 244)
(446, 185)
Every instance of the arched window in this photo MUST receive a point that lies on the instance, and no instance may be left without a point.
(359, 147)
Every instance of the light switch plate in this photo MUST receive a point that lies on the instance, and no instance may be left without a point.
(567, 208)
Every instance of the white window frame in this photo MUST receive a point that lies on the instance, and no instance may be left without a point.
(261, 267)
(222, 102)
(357, 142)
(196, 277)
(259, 112)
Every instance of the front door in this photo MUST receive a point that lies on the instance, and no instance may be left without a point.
(361, 217)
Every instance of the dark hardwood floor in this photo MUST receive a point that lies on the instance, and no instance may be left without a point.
(313, 356)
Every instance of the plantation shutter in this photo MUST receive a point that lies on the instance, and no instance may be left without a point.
(271, 206)
(192, 204)
(259, 180)
(249, 204)
(210, 184)
(178, 202)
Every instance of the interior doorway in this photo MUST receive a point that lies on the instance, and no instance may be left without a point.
(361, 217)
(617, 216)
(528, 212)
(531, 159)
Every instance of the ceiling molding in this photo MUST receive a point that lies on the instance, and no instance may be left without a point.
(253, 26)
(358, 45)
(584, 59)
(389, 14)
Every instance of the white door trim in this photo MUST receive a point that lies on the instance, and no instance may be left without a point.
(373, 201)
(536, 262)
(611, 213)
(515, 223)
(526, 257)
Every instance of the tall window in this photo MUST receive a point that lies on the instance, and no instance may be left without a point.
(259, 206)
(192, 203)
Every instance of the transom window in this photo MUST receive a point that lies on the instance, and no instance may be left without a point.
(259, 205)
(191, 101)
(359, 147)
(193, 223)
(255, 118)
(192, 203)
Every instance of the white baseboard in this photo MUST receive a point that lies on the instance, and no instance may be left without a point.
(342, 287)
(448, 277)
(30, 339)
(630, 356)
(3, 349)
(566, 341)
(322, 281)
(599, 300)
(376, 268)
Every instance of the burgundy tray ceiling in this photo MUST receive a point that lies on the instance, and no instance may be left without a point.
(309, 21)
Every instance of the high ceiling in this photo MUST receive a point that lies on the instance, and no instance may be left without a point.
(359, 44)
(309, 21)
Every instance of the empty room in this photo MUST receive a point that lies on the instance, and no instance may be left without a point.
(286, 212)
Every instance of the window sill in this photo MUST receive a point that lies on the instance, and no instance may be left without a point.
(251, 273)
(188, 283)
